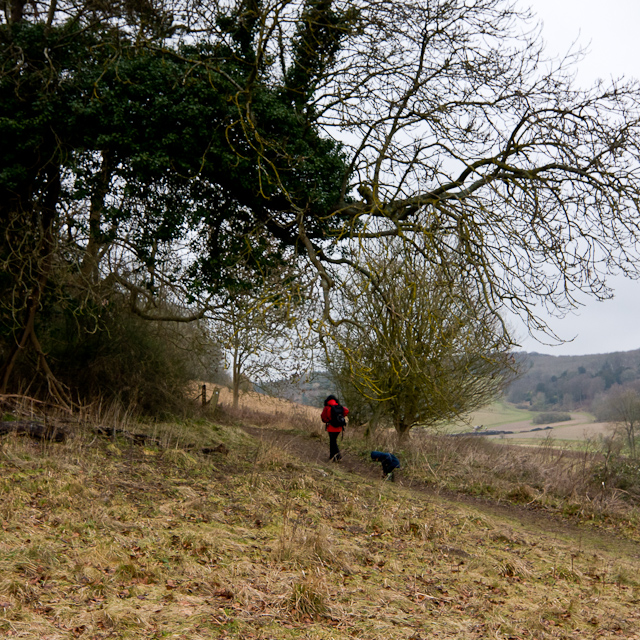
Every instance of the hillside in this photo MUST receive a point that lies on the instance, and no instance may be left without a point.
(572, 382)
(263, 539)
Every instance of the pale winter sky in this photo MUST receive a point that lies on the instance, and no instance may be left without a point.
(610, 31)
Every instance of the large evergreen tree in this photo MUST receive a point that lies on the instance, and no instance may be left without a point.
(151, 161)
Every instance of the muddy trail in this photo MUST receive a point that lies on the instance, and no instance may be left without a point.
(529, 518)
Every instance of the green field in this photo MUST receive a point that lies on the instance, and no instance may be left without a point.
(496, 415)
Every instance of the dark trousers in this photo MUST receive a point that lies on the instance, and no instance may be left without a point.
(334, 450)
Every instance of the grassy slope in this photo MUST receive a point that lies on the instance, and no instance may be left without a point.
(104, 540)
(498, 414)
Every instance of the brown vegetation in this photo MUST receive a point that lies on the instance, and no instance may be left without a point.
(103, 538)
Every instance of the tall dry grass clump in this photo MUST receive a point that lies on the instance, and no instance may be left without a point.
(309, 598)
(261, 410)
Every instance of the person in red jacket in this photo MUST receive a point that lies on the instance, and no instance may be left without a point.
(333, 415)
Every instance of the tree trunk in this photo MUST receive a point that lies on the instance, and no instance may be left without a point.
(43, 259)
(372, 427)
(7, 367)
(17, 11)
(90, 263)
(402, 429)
(236, 379)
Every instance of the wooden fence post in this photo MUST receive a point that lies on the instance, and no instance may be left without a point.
(214, 398)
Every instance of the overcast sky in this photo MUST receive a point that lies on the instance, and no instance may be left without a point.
(609, 29)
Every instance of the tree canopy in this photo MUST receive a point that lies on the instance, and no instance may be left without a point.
(148, 159)
(168, 150)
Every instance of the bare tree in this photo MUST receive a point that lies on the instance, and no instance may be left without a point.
(262, 334)
(251, 334)
(461, 132)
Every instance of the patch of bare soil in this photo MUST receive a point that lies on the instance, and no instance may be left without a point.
(314, 450)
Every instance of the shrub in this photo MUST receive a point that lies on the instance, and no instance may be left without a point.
(619, 472)
(550, 416)
(144, 365)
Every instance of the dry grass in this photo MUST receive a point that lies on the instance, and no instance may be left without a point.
(262, 409)
(104, 539)
(551, 477)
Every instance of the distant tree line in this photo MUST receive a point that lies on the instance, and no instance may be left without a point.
(549, 382)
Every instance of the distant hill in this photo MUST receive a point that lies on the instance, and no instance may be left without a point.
(572, 382)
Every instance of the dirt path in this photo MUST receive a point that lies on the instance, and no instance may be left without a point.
(533, 520)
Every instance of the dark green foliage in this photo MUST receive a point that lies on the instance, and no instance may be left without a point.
(317, 41)
(146, 365)
(172, 122)
(129, 164)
